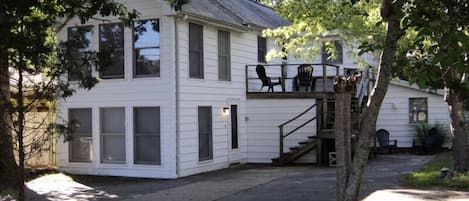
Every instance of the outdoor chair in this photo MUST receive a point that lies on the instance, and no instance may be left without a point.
(266, 80)
(382, 136)
(304, 78)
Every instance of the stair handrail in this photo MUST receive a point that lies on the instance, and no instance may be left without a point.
(297, 116)
(282, 136)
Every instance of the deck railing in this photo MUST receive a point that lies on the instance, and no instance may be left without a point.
(322, 76)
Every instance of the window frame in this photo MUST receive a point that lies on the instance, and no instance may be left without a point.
(413, 112)
(339, 48)
(200, 52)
(136, 135)
(100, 44)
(134, 56)
(209, 133)
(103, 134)
(87, 50)
(261, 51)
(81, 135)
(224, 53)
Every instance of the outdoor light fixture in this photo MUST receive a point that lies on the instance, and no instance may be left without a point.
(226, 110)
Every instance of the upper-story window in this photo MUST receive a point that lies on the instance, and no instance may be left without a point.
(418, 110)
(196, 51)
(146, 35)
(261, 49)
(337, 58)
(111, 40)
(80, 39)
(224, 56)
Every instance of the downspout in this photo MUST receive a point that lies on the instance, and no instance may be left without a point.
(176, 66)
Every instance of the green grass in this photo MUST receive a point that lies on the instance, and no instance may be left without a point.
(427, 176)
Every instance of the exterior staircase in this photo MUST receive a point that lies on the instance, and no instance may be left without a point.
(297, 151)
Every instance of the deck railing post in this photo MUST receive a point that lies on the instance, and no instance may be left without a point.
(246, 78)
(283, 75)
(324, 77)
(281, 145)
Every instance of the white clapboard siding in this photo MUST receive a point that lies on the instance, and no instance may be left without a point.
(217, 94)
(394, 113)
(263, 118)
(129, 93)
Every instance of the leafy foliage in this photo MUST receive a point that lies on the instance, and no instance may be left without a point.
(421, 132)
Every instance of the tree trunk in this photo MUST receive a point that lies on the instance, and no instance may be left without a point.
(7, 160)
(343, 92)
(368, 123)
(460, 136)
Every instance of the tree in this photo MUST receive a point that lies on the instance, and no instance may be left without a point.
(28, 46)
(374, 25)
(435, 54)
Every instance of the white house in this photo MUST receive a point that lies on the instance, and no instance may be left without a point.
(183, 97)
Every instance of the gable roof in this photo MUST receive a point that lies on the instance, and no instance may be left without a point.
(236, 12)
(405, 84)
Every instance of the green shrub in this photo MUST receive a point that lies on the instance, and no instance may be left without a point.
(422, 130)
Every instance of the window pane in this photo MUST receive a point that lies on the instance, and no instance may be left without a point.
(80, 39)
(112, 120)
(224, 68)
(111, 39)
(112, 135)
(418, 110)
(147, 149)
(327, 56)
(261, 48)
(147, 120)
(80, 145)
(147, 47)
(196, 65)
(113, 149)
(205, 133)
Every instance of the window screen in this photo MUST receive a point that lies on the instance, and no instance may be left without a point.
(80, 39)
(196, 51)
(205, 133)
(224, 56)
(327, 57)
(418, 110)
(111, 41)
(80, 147)
(261, 49)
(146, 35)
(147, 148)
(112, 135)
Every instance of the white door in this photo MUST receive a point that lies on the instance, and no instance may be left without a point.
(233, 132)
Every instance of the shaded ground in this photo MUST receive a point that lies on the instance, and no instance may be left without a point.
(244, 182)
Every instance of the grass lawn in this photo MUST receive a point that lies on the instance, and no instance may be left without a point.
(427, 176)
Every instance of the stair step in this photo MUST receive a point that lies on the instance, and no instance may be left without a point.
(303, 142)
(312, 137)
(295, 148)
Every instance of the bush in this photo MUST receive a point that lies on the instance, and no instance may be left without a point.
(422, 130)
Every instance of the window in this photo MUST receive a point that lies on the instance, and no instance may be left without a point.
(418, 110)
(80, 39)
(205, 133)
(234, 126)
(224, 56)
(111, 41)
(147, 135)
(196, 51)
(81, 143)
(112, 135)
(338, 57)
(261, 49)
(146, 35)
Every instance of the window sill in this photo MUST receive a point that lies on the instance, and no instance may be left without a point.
(205, 162)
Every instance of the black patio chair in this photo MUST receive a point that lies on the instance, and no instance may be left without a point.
(382, 136)
(304, 78)
(266, 80)
(429, 140)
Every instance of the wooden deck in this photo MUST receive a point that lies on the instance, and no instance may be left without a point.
(290, 95)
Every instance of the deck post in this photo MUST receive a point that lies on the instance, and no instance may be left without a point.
(324, 77)
(281, 157)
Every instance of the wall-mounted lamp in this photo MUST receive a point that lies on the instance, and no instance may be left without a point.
(226, 110)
